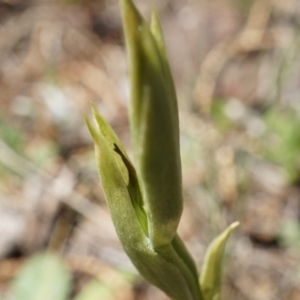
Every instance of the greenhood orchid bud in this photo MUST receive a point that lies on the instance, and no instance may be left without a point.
(145, 201)
(170, 268)
(154, 125)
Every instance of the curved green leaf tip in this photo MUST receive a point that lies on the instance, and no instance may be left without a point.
(211, 273)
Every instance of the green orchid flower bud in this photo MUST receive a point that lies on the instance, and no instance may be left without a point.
(154, 125)
(146, 202)
(172, 270)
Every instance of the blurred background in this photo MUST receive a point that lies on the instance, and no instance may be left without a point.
(236, 65)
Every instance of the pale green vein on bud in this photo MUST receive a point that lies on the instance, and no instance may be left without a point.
(154, 126)
(211, 273)
(156, 31)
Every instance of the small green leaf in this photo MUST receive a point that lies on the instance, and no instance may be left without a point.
(211, 273)
(43, 276)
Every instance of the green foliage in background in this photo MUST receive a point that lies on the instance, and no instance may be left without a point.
(145, 200)
(95, 290)
(289, 234)
(279, 141)
(219, 116)
(11, 135)
(283, 147)
(44, 276)
(17, 139)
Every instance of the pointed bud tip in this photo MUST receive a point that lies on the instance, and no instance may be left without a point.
(154, 16)
(131, 15)
(94, 109)
(98, 119)
(234, 225)
(127, 3)
(89, 126)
